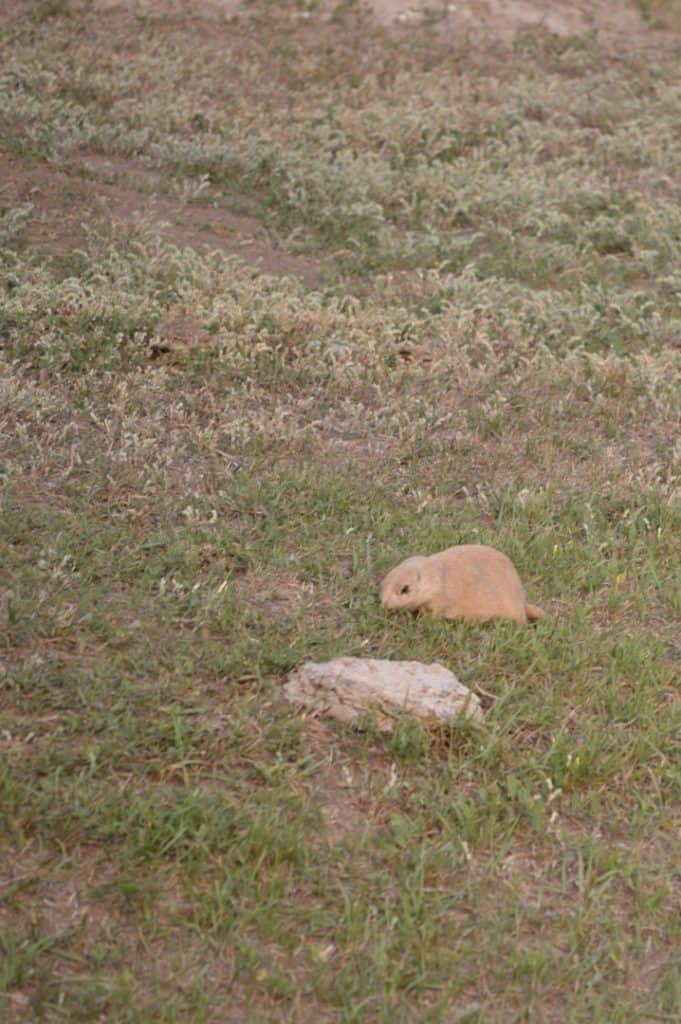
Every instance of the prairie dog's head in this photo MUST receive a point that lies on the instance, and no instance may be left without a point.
(407, 585)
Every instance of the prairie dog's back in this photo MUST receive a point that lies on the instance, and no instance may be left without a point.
(477, 564)
(479, 583)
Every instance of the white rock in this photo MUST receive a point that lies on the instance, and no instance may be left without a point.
(345, 687)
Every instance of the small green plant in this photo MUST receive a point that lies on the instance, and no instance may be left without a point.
(410, 740)
(46, 9)
(661, 13)
(13, 223)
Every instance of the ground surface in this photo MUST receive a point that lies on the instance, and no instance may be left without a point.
(289, 292)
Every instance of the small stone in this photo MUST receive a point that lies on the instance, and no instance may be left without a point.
(335, 349)
(347, 687)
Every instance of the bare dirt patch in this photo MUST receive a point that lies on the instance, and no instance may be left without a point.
(340, 785)
(505, 17)
(68, 206)
(616, 22)
(274, 596)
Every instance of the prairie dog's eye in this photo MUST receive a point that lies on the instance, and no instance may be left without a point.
(405, 589)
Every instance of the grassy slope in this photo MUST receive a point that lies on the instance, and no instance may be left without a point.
(493, 354)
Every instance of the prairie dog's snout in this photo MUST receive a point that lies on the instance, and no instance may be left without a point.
(469, 581)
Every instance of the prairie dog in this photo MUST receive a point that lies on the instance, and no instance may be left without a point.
(470, 581)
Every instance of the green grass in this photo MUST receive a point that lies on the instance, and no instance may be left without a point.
(661, 13)
(177, 534)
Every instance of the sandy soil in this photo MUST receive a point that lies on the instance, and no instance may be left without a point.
(499, 18)
(505, 17)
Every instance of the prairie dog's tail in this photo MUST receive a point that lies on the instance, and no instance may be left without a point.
(533, 613)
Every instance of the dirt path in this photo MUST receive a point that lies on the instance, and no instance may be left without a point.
(108, 193)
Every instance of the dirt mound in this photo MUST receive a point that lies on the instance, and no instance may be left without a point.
(617, 23)
(505, 17)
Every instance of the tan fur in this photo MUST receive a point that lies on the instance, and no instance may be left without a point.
(470, 581)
